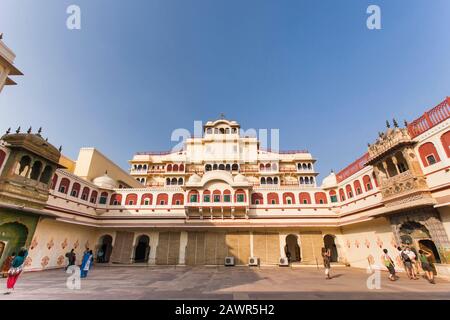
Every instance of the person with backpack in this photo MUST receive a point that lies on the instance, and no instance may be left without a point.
(389, 263)
(405, 255)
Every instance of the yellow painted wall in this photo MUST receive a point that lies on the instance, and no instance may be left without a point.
(91, 164)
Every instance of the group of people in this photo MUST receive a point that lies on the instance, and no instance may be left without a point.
(413, 261)
(86, 263)
(14, 264)
(13, 267)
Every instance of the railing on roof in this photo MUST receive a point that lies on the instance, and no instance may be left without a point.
(429, 119)
(157, 153)
(284, 151)
(352, 168)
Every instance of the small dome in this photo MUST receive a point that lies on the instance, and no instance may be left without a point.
(195, 178)
(105, 182)
(329, 181)
(240, 178)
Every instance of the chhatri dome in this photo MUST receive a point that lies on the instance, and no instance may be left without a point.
(329, 181)
(195, 178)
(105, 182)
(240, 178)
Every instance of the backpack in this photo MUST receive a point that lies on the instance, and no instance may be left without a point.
(405, 257)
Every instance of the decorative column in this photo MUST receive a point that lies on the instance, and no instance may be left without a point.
(385, 166)
(395, 162)
(154, 239)
(282, 244)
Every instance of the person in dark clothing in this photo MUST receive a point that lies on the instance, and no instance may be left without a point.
(71, 257)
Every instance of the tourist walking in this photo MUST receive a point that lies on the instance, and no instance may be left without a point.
(326, 255)
(86, 263)
(389, 263)
(71, 257)
(7, 264)
(406, 255)
(16, 269)
(415, 259)
(427, 266)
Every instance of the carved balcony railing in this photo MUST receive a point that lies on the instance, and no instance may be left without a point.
(429, 119)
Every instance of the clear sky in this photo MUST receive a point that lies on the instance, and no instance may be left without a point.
(139, 69)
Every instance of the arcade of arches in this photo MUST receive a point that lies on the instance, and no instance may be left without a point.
(211, 247)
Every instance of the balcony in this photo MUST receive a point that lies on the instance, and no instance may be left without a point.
(138, 171)
(156, 171)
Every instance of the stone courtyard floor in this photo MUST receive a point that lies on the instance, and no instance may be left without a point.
(238, 283)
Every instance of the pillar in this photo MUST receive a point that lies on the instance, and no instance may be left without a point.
(154, 237)
(183, 245)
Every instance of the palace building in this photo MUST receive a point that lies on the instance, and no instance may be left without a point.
(223, 198)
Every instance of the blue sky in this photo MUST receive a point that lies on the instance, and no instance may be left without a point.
(139, 69)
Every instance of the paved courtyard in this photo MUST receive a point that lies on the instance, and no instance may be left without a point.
(221, 283)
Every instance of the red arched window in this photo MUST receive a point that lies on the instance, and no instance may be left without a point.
(181, 167)
(428, 154)
(54, 182)
(85, 194)
(217, 196)
(227, 196)
(321, 197)
(304, 198)
(207, 196)
(162, 199)
(178, 199)
(342, 194)
(2, 157)
(116, 200)
(75, 190)
(169, 167)
(239, 196)
(288, 198)
(257, 198)
(272, 198)
(333, 196)
(64, 185)
(348, 189)
(175, 167)
(103, 198)
(94, 196)
(367, 183)
(193, 196)
(357, 187)
(445, 139)
(146, 199)
(131, 199)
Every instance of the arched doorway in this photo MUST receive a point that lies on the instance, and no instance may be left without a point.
(14, 236)
(329, 243)
(429, 246)
(142, 249)
(105, 246)
(292, 249)
(418, 236)
(2, 248)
